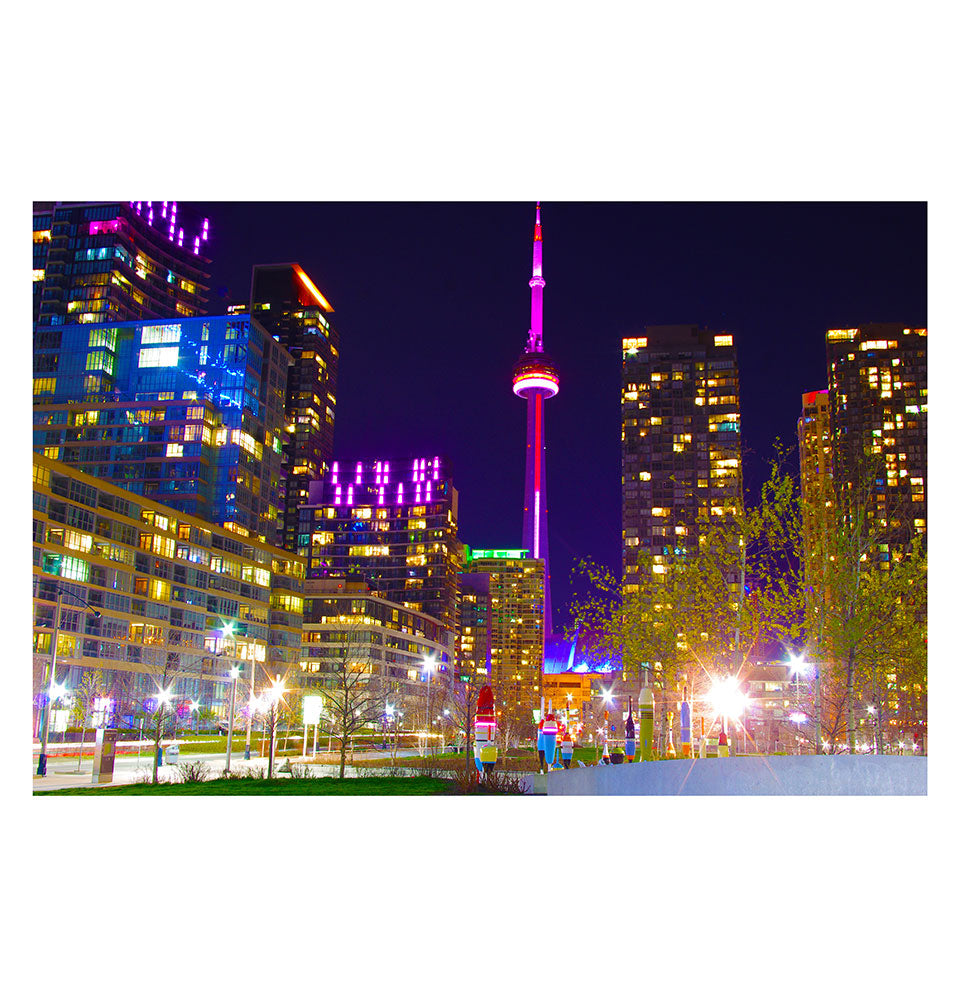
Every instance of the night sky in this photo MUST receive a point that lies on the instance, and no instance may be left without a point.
(432, 306)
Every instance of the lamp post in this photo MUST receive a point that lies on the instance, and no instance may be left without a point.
(234, 673)
(45, 722)
(429, 665)
(796, 665)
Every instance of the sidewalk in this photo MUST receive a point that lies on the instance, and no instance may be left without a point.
(62, 774)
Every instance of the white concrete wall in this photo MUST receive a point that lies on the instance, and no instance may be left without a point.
(780, 775)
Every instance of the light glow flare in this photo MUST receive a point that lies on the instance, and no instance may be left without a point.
(727, 698)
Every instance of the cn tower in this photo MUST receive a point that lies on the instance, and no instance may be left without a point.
(535, 379)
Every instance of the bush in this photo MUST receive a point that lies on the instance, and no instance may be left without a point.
(192, 772)
(497, 782)
(299, 771)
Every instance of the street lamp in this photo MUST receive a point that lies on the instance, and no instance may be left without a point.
(45, 723)
(429, 666)
(797, 665)
(234, 674)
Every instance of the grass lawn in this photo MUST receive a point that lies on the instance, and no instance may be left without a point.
(373, 786)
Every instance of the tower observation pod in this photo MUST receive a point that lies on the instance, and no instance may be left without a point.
(535, 379)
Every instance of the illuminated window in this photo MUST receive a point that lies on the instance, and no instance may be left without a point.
(166, 356)
(723, 340)
(160, 334)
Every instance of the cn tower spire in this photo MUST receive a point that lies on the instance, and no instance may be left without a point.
(537, 284)
(535, 379)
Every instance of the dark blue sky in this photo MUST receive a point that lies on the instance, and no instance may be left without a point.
(432, 305)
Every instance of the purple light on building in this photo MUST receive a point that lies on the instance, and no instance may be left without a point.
(535, 379)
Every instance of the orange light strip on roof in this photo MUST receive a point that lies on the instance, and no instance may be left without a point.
(312, 288)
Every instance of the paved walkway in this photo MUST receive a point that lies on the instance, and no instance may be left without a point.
(62, 771)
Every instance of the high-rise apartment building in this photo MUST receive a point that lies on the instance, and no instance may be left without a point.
(392, 523)
(878, 418)
(502, 625)
(117, 261)
(680, 418)
(816, 479)
(189, 412)
(291, 308)
(180, 600)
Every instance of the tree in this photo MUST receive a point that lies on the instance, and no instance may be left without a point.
(868, 605)
(353, 697)
(88, 691)
(462, 703)
(276, 710)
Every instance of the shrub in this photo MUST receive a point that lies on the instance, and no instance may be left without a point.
(192, 771)
(299, 771)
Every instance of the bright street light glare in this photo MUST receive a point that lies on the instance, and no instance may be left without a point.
(429, 663)
(797, 664)
(727, 698)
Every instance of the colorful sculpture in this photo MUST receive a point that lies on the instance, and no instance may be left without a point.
(550, 729)
(485, 730)
(540, 758)
(566, 749)
(646, 725)
(671, 750)
(685, 741)
(630, 747)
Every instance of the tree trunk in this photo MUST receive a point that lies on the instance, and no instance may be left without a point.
(851, 730)
(156, 745)
(879, 698)
(343, 755)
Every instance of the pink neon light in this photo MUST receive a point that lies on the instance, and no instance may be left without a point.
(380, 496)
(539, 380)
(98, 228)
(180, 238)
(164, 212)
(400, 492)
(386, 472)
(359, 466)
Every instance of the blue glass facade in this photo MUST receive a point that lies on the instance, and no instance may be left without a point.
(189, 411)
